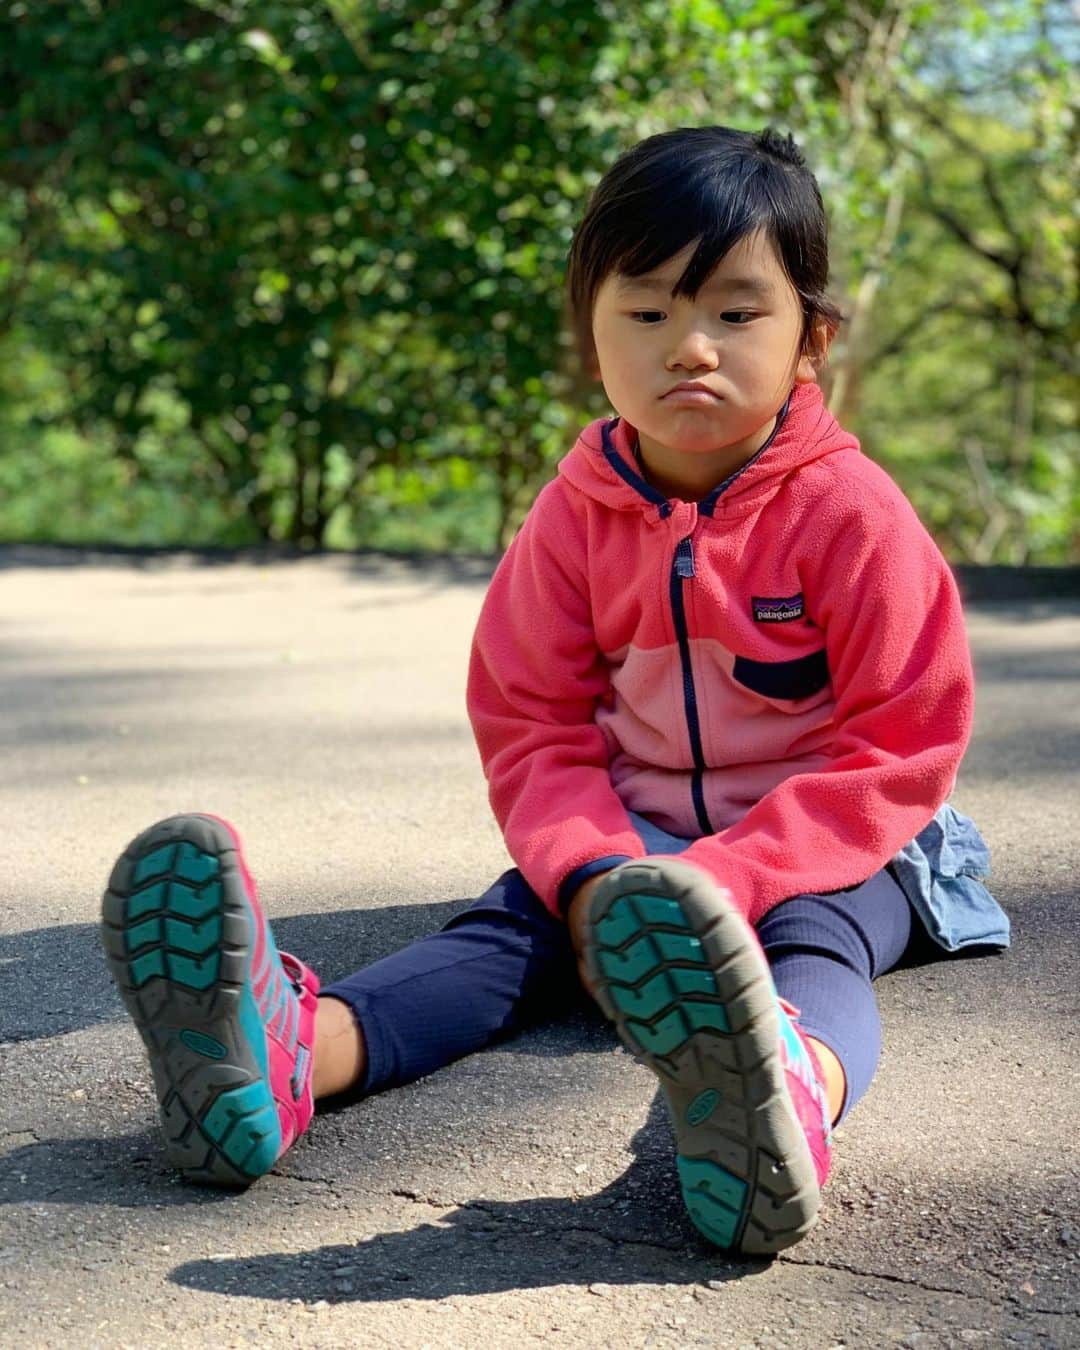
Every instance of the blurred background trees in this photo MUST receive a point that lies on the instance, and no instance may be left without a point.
(294, 272)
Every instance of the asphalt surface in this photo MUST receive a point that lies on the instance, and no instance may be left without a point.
(525, 1194)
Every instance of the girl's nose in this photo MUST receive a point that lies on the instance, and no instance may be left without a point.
(694, 350)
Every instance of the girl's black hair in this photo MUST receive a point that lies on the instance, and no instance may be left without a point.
(712, 184)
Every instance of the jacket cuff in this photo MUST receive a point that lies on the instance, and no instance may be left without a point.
(581, 874)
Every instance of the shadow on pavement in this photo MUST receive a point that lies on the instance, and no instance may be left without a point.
(484, 1245)
(635, 1231)
(440, 568)
(1044, 664)
(100, 709)
(129, 1171)
(64, 962)
(624, 1234)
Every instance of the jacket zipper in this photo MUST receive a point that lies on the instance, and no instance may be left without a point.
(682, 570)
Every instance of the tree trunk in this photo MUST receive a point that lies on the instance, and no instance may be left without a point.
(844, 374)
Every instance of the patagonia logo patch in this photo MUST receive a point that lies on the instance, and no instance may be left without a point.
(778, 611)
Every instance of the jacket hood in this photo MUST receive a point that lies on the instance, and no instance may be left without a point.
(603, 466)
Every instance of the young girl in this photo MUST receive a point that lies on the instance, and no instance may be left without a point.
(721, 634)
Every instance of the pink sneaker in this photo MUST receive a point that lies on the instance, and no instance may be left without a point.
(227, 1020)
(681, 974)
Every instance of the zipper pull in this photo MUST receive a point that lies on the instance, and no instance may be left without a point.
(684, 558)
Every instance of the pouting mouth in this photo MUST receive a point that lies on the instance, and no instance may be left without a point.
(691, 387)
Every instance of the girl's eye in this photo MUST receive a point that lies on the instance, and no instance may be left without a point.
(735, 317)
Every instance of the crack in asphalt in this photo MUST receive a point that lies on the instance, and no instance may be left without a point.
(308, 1181)
(930, 1288)
(510, 1227)
(18, 1134)
(533, 1225)
(561, 1231)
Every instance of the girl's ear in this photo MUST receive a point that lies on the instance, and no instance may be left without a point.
(815, 350)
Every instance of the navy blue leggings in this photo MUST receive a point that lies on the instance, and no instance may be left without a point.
(506, 961)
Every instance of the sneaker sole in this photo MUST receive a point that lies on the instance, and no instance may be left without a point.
(693, 1000)
(177, 932)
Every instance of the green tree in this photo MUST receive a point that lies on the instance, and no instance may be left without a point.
(279, 271)
(958, 367)
(323, 257)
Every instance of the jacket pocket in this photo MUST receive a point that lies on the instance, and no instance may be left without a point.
(801, 678)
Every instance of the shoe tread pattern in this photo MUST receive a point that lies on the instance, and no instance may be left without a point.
(694, 1002)
(176, 928)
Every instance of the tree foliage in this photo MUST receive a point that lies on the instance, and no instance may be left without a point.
(965, 382)
(289, 271)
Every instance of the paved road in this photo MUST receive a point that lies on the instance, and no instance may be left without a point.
(526, 1194)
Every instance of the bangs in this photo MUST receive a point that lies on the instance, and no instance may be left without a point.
(717, 230)
(657, 202)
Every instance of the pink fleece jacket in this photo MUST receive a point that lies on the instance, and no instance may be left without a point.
(779, 672)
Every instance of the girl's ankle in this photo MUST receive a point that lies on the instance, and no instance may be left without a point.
(339, 1054)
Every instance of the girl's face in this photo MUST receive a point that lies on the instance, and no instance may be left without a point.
(740, 338)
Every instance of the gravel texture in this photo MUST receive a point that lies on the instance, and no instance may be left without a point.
(524, 1195)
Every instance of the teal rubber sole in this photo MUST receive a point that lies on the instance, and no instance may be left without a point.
(674, 966)
(177, 930)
